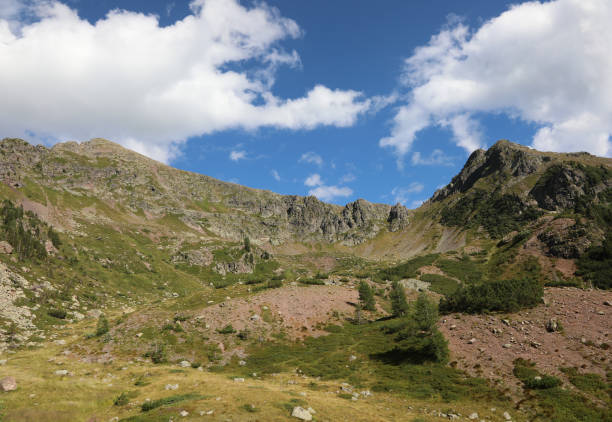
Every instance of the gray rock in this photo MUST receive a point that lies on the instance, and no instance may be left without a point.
(185, 364)
(552, 325)
(8, 384)
(301, 413)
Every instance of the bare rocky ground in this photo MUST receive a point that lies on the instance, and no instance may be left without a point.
(488, 345)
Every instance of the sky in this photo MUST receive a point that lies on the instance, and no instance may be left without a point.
(340, 99)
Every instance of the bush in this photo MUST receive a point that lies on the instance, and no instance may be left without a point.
(440, 284)
(121, 400)
(406, 270)
(596, 264)
(399, 306)
(275, 283)
(228, 329)
(102, 327)
(150, 405)
(57, 313)
(501, 296)
(525, 371)
(157, 353)
(417, 335)
(366, 296)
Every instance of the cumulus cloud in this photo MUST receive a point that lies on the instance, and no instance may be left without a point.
(312, 158)
(313, 180)
(402, 194)
(237, 155)
(437, 157)
(276, 175)
(329, 193)
(543, 63)
(127, 79)
(323, 191)
(349, 177)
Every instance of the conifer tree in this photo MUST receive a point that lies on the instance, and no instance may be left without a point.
(366, 297)
(399, 305)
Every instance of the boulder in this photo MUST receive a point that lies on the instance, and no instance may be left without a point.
(552, 325)
(6, 247)
(301, 413)
(8, 384)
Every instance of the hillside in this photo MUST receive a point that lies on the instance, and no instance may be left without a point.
(130, 275)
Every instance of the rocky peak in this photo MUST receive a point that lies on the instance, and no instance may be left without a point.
(504, 160)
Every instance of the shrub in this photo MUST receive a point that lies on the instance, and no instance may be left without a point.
(596, 264)
(275, 283)
(102, 327)
(157, 353)
(406, 270)
(57, 313)
(228, 329)
(366, 296)
(399, 306)
(121, 400)
(503, 296)
(150, 405)
(525, 371)
(440, 284)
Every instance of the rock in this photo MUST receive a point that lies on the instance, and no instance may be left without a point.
(507, 416)
(185, 364)
(139, 335)
(61, 372)
(505, 321)
(94, 313)
(301, 413)
(352, 358)
(452, 327)
(238, 379)
(172, 387)
(311, 411)
(255, 318)
(473, 416)
(242, 363)
(2, 362)
(5, 247)
(507, 346)
(8, 384)
(184, 413)
(472, 341)
(552, 325)
(60, 342)
(601, 313)
(607, 303)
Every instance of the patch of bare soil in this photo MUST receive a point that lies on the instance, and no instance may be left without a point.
(487, 345)
(298, 311)
(430, 269)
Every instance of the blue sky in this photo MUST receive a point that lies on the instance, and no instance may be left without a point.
(342, 99)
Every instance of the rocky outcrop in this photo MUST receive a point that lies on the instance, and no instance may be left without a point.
(503, 160)
(398, 217)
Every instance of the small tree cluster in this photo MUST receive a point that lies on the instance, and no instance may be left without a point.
(399, 305)
(366, 297)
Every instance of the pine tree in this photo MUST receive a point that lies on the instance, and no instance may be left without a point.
(366, 297)
(102, 327)
(399, 305)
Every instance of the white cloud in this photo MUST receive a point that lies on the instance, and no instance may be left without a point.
(329, 193)
(437, 157)
(276, 175)
(324, 192)
(417, 203)
(544, 63)
(237, 155)
(313, 180)
(402, 194)
(127, 79)
(312, 158)
(349, 177)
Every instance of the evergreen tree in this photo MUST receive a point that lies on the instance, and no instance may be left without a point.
(366, 297)
(247, 244)
(102, 327)
(399, 306)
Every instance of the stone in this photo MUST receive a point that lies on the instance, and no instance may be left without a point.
(301, 413)
(185, 364)
(472, 341)
(242, 363)
(238, 379)
(473, 416)
(61, 372)
(2, 362)
(138, 335)
(507, 346)
(5, 247)
(352, 358)
(8, 384)
(172, 387)
(184, 413)
(507, 416)
(607, 303)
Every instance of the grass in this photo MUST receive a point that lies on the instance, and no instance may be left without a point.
(441, 284)
(150, 405)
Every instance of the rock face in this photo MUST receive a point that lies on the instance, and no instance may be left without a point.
(8, 384)
(111, 173)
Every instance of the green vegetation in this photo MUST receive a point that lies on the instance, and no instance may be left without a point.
(121, 400)
(150, 405)
(501, 296)
(157, 353)
(596, 264)
(57, 313)
(366, 296)
(417, 335)
(102, 327)
(24, 231)
(590, 383)
(531, 378)
(498, 213)
(399, 305)
(406, 270)
(228, 329)
(440, 284)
